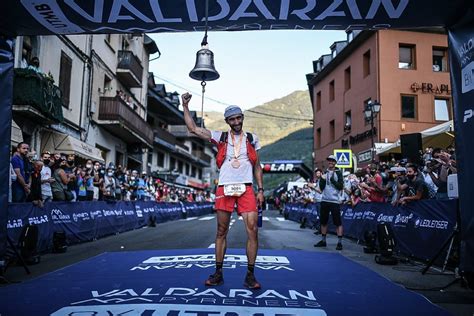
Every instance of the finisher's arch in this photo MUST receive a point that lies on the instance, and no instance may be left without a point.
(28, 17)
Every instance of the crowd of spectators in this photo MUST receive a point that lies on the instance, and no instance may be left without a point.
(60, 177)
(395, 182)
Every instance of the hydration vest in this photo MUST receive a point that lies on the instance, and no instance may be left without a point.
(222, 149)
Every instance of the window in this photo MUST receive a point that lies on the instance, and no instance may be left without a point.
(199, 173)
(180, 166)
(188, 169)
(318, 138)
(348, 121)
(347, 78)
(65, 78)
(172, 163)
(366, 102)
(193, 171)
(440, 59)
(331, 91)
(406, 58)
(409, 106)
(161, 159)
(318, 101)
(366, 63)
(441, 110)
(150, 157)
(332, 130)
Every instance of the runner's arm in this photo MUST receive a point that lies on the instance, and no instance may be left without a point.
(191, 125)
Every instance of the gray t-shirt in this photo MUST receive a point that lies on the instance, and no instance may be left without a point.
(46, 187)
(242, 174)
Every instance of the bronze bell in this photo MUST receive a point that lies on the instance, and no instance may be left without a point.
(204, 69)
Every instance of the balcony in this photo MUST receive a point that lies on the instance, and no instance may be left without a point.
(180, 131)
(119, 119)
(202, 156)
(165, 139)
(36, 97)
(129, 69)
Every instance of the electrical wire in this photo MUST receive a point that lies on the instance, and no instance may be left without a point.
(281, 117)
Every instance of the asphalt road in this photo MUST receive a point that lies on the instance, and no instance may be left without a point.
(277, 233)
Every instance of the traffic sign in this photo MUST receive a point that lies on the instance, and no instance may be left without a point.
(343, 157)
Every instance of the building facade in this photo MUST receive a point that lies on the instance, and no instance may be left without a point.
(90, 97)
(406, 72)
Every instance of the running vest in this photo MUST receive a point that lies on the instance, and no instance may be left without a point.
(222, 149)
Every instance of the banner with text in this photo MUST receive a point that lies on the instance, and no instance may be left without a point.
(86, 221)
(136, 16)
(420, 228)
(461, 44)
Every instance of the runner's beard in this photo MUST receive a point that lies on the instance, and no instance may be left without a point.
(236, 128)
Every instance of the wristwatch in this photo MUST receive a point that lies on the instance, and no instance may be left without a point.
(260, 189)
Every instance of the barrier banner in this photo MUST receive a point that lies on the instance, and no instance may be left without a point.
(6, 93)
(23, 214)
(461, 53)
(420, 228)
(86, 221)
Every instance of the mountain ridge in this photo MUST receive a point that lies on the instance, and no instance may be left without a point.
(272, 120)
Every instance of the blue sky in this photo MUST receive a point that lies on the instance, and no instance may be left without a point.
(254, 66)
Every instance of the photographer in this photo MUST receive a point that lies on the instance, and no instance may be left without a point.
(439, 168)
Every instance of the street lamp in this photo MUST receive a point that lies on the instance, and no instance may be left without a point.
(371, 110)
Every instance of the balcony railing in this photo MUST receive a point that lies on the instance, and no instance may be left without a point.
(115, 109)
(31, 89)
(201, 155)
(130, 63)
(165, 135)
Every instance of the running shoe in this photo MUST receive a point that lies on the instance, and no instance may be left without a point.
(321, 243)
(250, 282)
(339, 246)
(215, 279)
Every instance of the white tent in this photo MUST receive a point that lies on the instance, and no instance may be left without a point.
(441, 135)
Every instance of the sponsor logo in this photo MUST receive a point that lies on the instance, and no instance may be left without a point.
(15, 223)
(177, 301)
(358, 215)
(112, 212)
(278, 167)
(84, 216)
(467, 74)
(382, 218)
(208, 260)
(468, 114)
(349, 214)
(188, 310)
(369, 215)
(402, 220)
(58, 216)
(431, 223)
(37, 220)
(96, 214)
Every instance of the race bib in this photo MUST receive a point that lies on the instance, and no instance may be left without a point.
(234, 189)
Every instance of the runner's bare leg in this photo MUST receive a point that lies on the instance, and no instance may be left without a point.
(223, 220)
(250, 220)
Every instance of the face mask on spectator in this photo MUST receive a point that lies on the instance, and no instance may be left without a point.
(46, 161)
(110, 173)
(70, 162)
(89, 166)
(132, 178)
